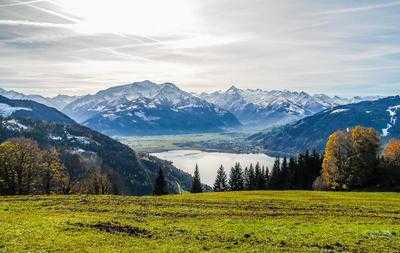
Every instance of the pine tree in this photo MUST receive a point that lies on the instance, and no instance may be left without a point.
(314, 169)
(259, 178)
(275, 174)
(196, 183)
(246, 179)
(265, 172)
(300, 173)
(160, 187)
(252, 178)
(284, 175)
(292, 167)
(236, 178)
(220, 184)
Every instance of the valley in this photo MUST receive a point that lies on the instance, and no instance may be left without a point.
(208, 150)
(230, 142)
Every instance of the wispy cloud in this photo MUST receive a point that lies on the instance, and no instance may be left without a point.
(348, 70)
(55, 13)
(36, 24)
(22, 3)
(359, 9)
(85, 45)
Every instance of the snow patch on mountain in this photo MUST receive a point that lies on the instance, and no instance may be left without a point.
(110, 116)
(392, 121)
(80, 139)
(55, 138)
(144, 117)
(14, 125)
(339, 111)
(7, 110)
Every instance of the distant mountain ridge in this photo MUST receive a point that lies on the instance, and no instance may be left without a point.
(132, 173)
(256, 107)
(150, 108)
(312, 132)
(58, 102)
(147, 107)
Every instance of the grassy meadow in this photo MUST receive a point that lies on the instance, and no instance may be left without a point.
(264, 221)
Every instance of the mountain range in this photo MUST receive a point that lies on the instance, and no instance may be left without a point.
(256, 108)
(58, 102)
(150, 108)
(312, 132)
(131, 173)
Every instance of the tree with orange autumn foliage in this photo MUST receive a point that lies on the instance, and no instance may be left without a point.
(391, 165)
(364, 160)
(334, 166)
(392, 152)
(350, 159)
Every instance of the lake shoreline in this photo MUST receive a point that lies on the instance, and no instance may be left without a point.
(210, 161)
(233, 142)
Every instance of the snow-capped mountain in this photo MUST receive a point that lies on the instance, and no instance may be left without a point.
(147, 107)
(312, 132)
(58, 102)
(260, 108)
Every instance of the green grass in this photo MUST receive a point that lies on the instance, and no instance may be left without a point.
(247, 221)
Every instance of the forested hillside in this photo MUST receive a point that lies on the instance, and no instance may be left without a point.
(129, 172)
(312, 132)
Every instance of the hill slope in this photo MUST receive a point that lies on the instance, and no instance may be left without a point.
(134, 173)
(312, 132)
(27, 109)
(146, 107)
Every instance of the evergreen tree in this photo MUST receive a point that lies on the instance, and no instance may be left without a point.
(252, 178)
(275, 175)
(260, 183)
(246, 179)
(220, 184)
(160, 187)
(196, 183)
(292, 167)
(315, 168)
(301, 171)
(236, 178)
(265, 172)
(285, 180)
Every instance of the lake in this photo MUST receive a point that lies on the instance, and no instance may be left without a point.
(209, 162)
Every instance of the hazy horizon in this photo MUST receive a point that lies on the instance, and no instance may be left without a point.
(193, 92)
(75, 47)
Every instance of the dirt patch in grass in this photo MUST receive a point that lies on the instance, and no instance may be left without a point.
(114, 228)
(336, 247)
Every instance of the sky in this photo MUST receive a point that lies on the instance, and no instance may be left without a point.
(336, 47)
